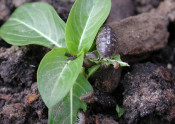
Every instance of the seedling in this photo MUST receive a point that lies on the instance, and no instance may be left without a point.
(120, 111)
(60, 82)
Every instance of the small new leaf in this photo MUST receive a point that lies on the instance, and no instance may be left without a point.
(65, 112)
(110, 61)
(34, 23)
(56, 75)
(120, 111)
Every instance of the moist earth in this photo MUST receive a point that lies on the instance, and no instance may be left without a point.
(145, 89)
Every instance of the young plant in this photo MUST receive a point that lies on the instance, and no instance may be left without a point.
(120, 111)
(60, 82)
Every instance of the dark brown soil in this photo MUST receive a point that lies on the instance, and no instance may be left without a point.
(148, 89)
(145, 89)
(18, 85)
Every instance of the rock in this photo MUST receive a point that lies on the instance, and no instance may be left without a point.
(141, 34)
(149, 89)
(138, 36)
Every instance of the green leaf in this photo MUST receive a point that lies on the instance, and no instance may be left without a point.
(118, 59)
(34, 23)
(85, 19)
(65, 112)
(110, 61)
(92, 70)
(56, 75)
(120, 111)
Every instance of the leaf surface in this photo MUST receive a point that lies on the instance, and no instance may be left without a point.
(56, 75)
(65, 112)
(120, 111)
(85, 19)
(34, 23)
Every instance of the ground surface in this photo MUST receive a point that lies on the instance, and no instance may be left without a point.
(145, 89)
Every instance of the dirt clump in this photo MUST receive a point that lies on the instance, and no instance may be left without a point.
(146, 5)
(16, 66)
(140, 34)
(14, 113)
(106, 79)
(148, 89)
(18, 92)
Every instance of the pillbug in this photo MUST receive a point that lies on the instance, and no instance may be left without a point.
(106, 42)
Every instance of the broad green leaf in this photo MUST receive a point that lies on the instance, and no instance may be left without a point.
(92, 70)
(56, 75)
(85, 19)
(65, 112)
(120, 111)
(34, 23)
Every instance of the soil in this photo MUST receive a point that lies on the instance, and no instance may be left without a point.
(145, 89)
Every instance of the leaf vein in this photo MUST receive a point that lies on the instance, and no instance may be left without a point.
(39, 32)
